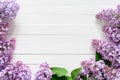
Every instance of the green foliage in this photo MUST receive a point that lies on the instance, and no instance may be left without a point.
(83, 78)
(59, 71)
(99, 57)
(62, 74)
(55, 77)
(75, 73)
(107, 62)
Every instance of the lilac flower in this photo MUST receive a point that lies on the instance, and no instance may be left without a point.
(3, 29)
(6, 48)
(8, 9)
(106, 15)
(113, 33)
(110, 17)
(111, 74)
(90, 68)
(118, 8)
(17, 71)
(108, 51)
(44, 72)
(98, 71)
(4, 60)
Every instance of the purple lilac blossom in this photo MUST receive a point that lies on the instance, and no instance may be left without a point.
(111, 74)
(113, 33)
(110, 16)
(44, 72)
(17, 71)
(90, 68)
(4, 60)
(98, 71)
(118, 8)
(108, 51)
(8, 9)
(3, 29)
(6, 49)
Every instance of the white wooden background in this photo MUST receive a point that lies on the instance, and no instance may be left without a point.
(57, 31)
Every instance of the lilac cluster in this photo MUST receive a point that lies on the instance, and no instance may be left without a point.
(108, 51)
(98, 71)
(90, 68)
(8, 9)
(6, 49)
(111, 74)
(17, 71)
(44, 72)
(112, 24)
(3, 29)
(110, 17)
(113, 33)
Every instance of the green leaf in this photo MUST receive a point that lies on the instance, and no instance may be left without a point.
(84, 78)
(55, 77)
(107, 62)
(75, 73)
(69, 77)
(59, 71)
(98, 56)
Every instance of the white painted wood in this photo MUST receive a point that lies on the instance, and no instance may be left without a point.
(55, 19)
(52, 59)
(57, 31)
(54, 44)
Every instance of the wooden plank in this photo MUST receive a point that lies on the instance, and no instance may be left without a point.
(55, 29)
(68, 2)
(55, 19)
(54, 60)
(64, 6)
(54, 44)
